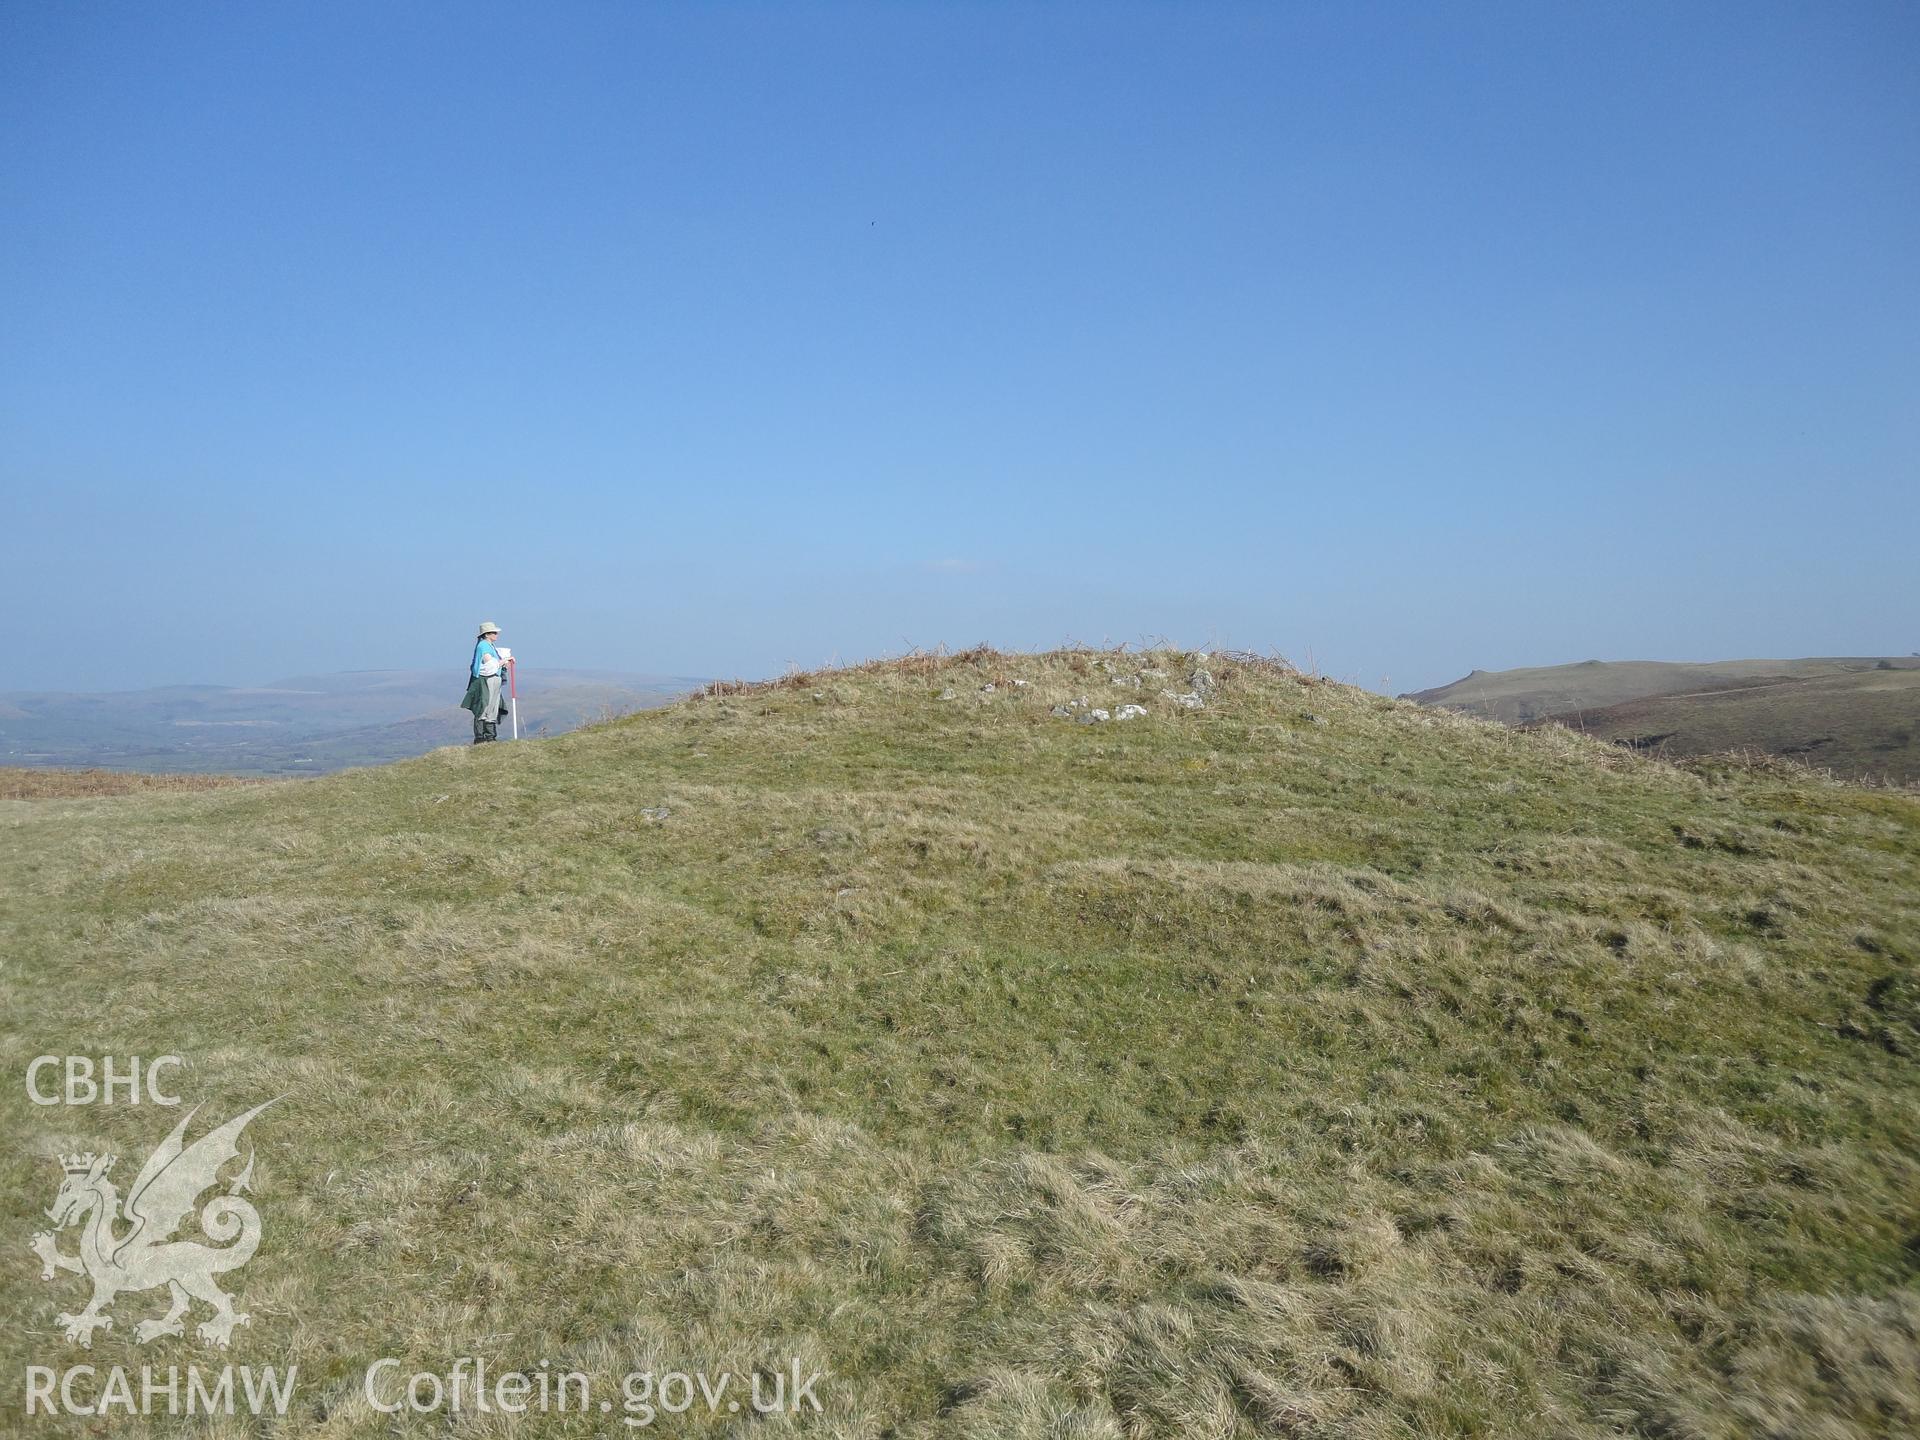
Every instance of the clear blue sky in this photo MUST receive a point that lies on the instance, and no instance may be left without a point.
(702, 339)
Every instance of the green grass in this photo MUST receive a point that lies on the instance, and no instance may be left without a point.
(1312, 1064)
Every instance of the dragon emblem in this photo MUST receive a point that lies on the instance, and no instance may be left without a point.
(143, 1255)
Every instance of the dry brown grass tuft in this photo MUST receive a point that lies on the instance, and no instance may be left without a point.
(919, 663)
(27, 783)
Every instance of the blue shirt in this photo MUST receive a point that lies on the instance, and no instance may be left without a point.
(480, 652)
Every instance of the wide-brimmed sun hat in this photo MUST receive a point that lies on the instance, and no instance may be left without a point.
(487, 627)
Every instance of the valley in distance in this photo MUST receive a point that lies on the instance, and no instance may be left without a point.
(302, 725)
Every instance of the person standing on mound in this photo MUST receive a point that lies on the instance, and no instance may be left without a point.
(483, 685)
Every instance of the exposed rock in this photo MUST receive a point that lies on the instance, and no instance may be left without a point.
(948, 694)
(1201, 682)
(1152, 674)
(1313, 719)
(655, 812)
(987, 689)
(1189, 701)
(1130, 712)
(1021, 684)
(1093, 717)
(1060, 712)
(1131, 681)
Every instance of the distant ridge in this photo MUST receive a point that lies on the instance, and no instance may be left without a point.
(1858, 716)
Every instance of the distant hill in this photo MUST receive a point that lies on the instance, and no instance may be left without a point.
(1856, 715)
(304, 724)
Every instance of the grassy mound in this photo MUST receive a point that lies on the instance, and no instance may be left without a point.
(1307, 1063)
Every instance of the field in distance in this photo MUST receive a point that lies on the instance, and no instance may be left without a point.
(1858, 716)
(303, 725)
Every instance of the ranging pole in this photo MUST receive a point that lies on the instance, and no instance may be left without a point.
(513, 698)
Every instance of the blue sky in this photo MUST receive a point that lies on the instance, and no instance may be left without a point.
(706, 339)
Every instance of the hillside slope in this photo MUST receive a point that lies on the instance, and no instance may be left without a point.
(1860, 724)
(1538, 692)
(1306, 1064)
